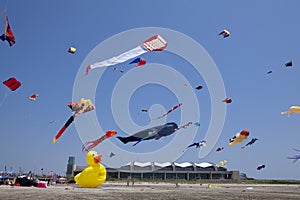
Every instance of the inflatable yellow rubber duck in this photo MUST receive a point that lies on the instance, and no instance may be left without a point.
(94, 175)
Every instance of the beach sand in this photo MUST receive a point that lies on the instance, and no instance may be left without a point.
(143, 190)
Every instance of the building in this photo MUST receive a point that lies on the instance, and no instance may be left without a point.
(169, 171)
(70, 167)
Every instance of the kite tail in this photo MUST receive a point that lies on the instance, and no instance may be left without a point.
(91, 144)
(61, 131)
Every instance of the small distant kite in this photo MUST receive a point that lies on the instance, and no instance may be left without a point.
(72, 50)
(222, 163)
(144, 110)
(250, 143)
(224, 33)
(199, 87)
(197, 123)
(33, 97)
(82, 106)
(12, 83)
(269, 72)
(197, 144)
(296, 157)
(220, 149)
(239, 137)
(155, 43)
(111, 154)
(169, 111)
(227, 100)
(91, 144)
(8, 34)
(292, 110)
(260, 167)
(288, 64)
(139, 62)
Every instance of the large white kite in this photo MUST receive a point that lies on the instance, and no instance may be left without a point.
(155, 43)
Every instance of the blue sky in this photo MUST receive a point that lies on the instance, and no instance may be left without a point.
(264, 35)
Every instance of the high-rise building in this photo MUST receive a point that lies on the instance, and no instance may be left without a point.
(70, 167)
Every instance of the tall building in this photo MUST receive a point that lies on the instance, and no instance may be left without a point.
(70, 167)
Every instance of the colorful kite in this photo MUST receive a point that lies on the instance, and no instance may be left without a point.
(296, 157)
(33, 97)
(169, 111)
(239, 137)
(91, 144)
(292, 110)
(8, 34)
(82, 106)
(139, 62)
(151, 133)
(72, 50)
(197, 144)
(222, 163)
(227, 100)
(224, 33)
(12, 83)
(155, 43)
(260, 167)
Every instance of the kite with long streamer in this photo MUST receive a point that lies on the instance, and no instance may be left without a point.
(154, 43)
(82, 106)
(169, 111)
(91, 144)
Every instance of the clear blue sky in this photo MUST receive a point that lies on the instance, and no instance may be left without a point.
(264, 35)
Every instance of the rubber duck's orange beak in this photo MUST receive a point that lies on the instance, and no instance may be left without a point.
(98, 158)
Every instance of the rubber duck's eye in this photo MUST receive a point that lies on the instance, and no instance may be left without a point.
(93, 154)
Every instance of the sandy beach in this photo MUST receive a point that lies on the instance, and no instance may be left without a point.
(142, 190)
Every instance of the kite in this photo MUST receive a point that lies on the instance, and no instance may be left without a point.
(139, 62)
(111, 154)
(82, 106)
(12, 83)
(94, 174)
(199, 87)
(197, 144)
(296, 157)
(222, 163)
(144, 110)
(72, 50)
(220, 148)
(169, 111)
(269, 72)
(8, 34)
(288, 64)
(227, 100)
(260, 167)
(33, 97)
(154, 43)
(251, 142)
(151, 133)
(239, 137)
(292, 110)
(197, 123)
(91, 144)
(224, 33)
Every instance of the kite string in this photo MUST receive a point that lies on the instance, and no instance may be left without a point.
(5, 96)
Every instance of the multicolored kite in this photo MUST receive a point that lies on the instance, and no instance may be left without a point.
(139, 62)
(169, 111)
(239, 137)
(91, 144)
(224, 33)
(33, 97)
(8, 34)
(155, 43)
(292, 110)
(82, 106)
